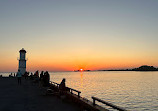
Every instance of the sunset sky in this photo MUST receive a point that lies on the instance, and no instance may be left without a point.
(65, 35)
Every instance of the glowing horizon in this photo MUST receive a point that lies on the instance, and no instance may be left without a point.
(61, 63)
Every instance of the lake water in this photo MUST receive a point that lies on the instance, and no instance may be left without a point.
(135, 91)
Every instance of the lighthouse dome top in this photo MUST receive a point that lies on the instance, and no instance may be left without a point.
(23, 50)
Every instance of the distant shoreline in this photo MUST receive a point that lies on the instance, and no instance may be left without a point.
(129, 70)
(141, 68)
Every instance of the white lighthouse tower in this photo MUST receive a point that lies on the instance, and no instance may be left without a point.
(22, 61)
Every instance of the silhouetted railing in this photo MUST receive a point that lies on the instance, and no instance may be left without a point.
(70, 89)
(108, 104)
(79, 92)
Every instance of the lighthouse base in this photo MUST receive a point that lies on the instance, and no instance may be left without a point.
(22, 70)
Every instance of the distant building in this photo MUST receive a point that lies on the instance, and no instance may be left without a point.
(22, 61)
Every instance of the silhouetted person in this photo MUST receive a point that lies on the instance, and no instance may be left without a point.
(36, 73)
(41, 76)
(31, 76)
(36, 77)
(25, 75)
(41, 79)
(46, 78)
(62, 87)
(19, 75)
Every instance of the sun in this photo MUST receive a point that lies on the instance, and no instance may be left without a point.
(81, 69)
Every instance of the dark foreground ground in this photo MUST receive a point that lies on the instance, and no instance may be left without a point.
(29, 97)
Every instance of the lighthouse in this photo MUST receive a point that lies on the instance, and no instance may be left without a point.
(22, 61)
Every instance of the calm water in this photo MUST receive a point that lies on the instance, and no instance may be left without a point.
(136, 91)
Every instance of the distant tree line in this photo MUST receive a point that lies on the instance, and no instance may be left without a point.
(145, 68)
(141, 68)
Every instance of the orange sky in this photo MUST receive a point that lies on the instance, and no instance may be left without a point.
(69, 62)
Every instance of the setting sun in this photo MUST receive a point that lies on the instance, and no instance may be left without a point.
(81, 69)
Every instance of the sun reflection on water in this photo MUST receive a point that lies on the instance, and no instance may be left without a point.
(81, 80)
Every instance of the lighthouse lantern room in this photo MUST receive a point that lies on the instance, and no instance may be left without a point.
(22, 61)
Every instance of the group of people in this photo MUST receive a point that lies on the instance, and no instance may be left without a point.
(43, 79)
